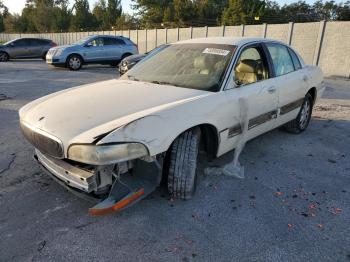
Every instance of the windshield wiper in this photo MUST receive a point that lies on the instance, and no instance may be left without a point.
(162, 83)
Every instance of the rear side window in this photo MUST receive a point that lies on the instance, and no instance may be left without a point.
(282, 61)
(113, 41)
(295, 59)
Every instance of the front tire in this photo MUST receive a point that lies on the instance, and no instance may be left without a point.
(4, 57)
(74, 62)
(183, 164)
(302, 121)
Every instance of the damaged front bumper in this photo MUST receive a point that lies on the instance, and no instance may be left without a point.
(124, 188)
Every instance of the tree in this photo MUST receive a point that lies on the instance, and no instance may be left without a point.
(114, 11)
(3, 13)
(234, 14)
(82, 18)
(100, 14)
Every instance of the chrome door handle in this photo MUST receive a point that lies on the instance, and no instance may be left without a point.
(271, 90)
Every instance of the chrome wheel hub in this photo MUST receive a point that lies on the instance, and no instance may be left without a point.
(74, 62)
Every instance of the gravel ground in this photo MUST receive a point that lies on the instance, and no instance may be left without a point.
(293, 205)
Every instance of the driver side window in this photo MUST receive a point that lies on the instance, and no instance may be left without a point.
(251, 66)
(96, 42)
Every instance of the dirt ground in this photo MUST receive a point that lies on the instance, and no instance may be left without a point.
(293, 205)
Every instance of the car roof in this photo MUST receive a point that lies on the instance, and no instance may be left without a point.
(237, 41)
(116, 36)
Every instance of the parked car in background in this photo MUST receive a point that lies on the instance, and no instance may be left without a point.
(130, 61)
(97, 49)
(210, 93)
(25, 48)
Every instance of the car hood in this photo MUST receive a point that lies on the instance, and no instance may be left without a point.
(81, 114)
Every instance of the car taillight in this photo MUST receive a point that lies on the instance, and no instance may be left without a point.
(53, 44)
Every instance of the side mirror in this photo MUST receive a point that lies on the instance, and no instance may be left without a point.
(88, 45)
(12, 45)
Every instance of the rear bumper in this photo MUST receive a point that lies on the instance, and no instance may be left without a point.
(70, 175)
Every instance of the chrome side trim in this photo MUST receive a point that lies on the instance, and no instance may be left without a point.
(291, 106)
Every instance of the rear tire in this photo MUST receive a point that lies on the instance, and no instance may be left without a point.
(4, 57)
(183, 164)
(302, 121)
(74, 62)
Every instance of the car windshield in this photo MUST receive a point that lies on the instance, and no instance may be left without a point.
(9, 42)
(82, 41)
(195, 66)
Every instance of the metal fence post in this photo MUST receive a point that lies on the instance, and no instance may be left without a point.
(178, 34)
(223, 30)
(264, 30)
(206, 31)
(166, 35)
(290, 32)
(242, 30)
(137, 37)
(129, 33)
(191, 32)
(156, 40)
(319, 42)
(146, 40)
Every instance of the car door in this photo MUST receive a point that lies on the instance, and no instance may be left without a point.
(19, 48)
(94, 50)
(290, 80)
(113, 48)
(252, 94)
(34, 48)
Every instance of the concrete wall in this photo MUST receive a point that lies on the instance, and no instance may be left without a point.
(324, 44)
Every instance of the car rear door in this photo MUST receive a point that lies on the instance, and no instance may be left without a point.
(290, 80)
(113, 48)
(94, 50)
(34, 48)
(252, 94)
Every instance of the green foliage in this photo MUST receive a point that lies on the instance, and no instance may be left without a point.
(56, 16)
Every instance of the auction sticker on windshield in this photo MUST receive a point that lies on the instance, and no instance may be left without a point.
(216, 51)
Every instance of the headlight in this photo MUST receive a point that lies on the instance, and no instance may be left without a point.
(106, 154)
(58, 52)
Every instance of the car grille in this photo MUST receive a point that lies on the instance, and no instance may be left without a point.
(43, 143)
(51, 52)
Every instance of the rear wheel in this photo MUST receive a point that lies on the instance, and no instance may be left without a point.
(183, 164)
(302, 121)
(4, 57)
(74, 62)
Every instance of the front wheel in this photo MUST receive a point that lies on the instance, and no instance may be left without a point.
(4, 57)
(183, 164)
(74, 62)
(302, 121)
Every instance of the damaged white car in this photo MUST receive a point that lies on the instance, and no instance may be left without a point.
(116, 140)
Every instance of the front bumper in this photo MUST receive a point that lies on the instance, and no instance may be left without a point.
(54, 60)
(72, 176)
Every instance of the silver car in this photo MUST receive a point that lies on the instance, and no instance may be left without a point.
(25, 48)
(97, 49)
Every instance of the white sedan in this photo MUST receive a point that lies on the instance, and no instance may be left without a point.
(115, 140)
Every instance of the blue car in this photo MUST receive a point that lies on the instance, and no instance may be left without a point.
(97, 49)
